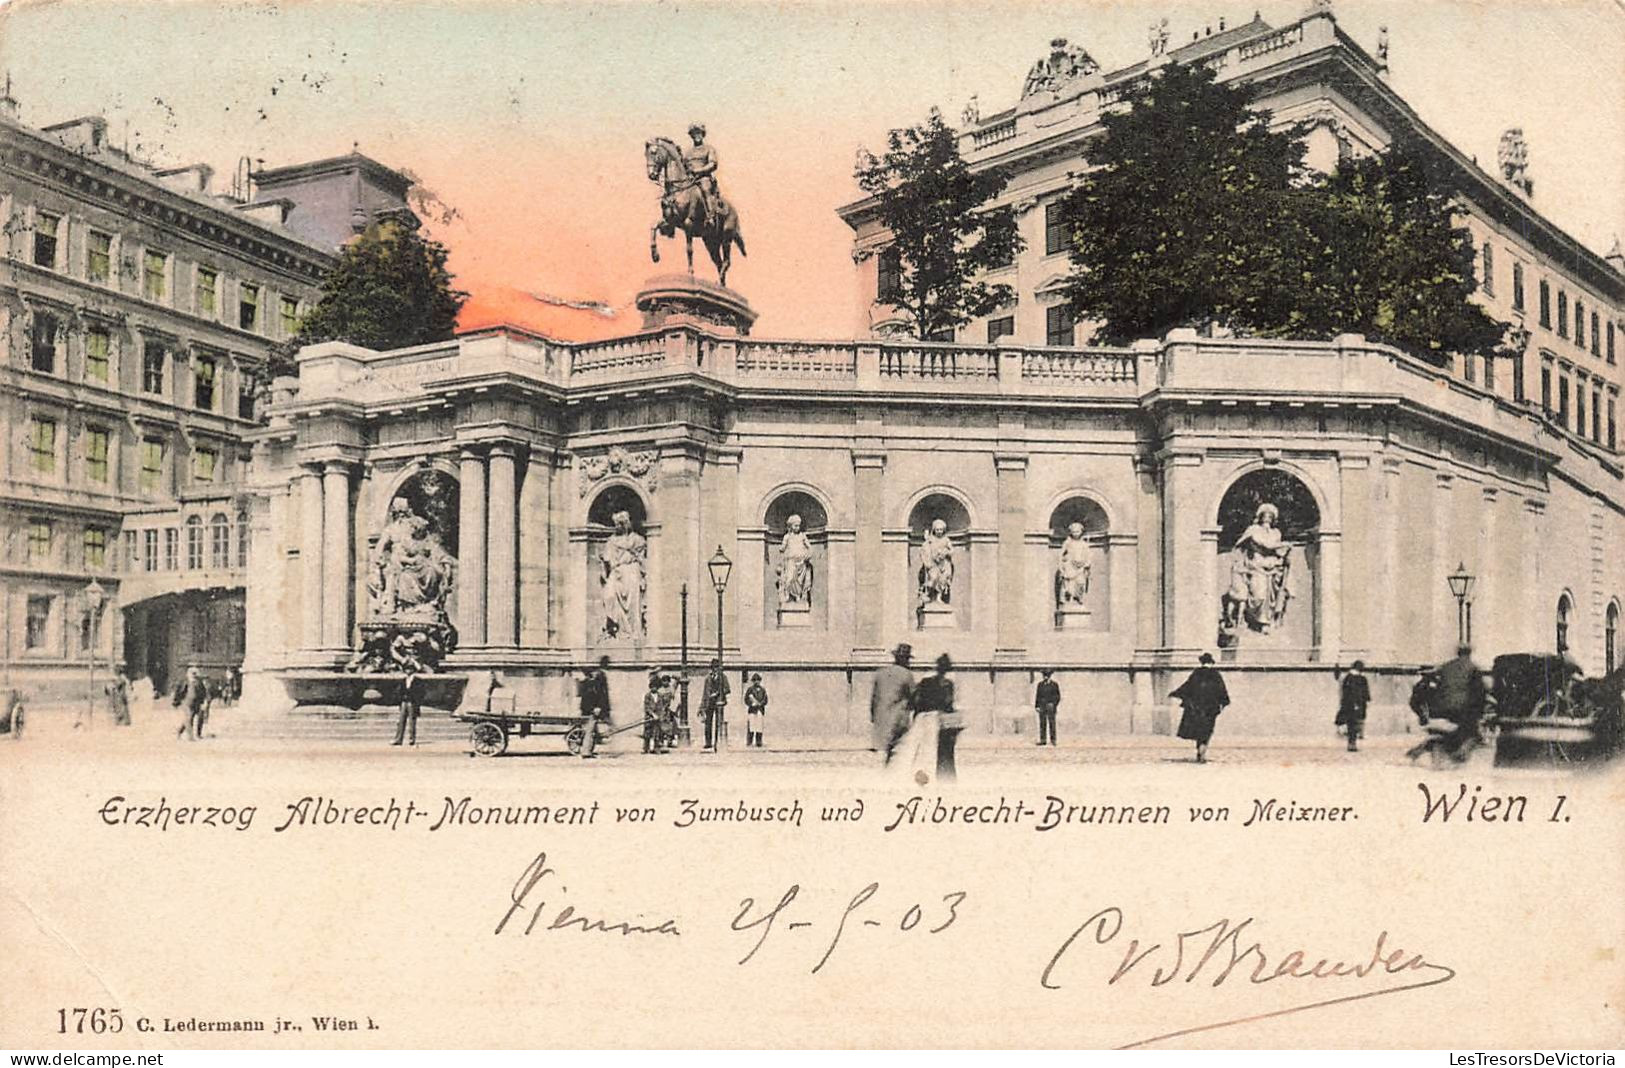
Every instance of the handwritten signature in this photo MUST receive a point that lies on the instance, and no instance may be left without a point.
(1224, 949)
(566, 918)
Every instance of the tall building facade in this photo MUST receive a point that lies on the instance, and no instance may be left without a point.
(1568, 301)
(137, 312)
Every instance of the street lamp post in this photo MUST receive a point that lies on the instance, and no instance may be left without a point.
(683, 731)
(1461, 585)
(720, 567)
(94, 596)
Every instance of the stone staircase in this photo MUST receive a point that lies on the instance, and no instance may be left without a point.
(330, 724)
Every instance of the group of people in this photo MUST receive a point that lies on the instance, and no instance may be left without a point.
(663, 701)
(897, 704)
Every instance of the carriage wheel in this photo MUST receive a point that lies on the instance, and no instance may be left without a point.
(573, 740)
(1557, 706)
(489, 739)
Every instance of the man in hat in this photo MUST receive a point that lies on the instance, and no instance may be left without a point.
(714, 703)
(654, 713)
(755, 710)
(701, 161)
(1354, 697)
(1046, 700)
(935, 697)
(1203, 696)
(406, 728)
(192, 698)
(891, 701)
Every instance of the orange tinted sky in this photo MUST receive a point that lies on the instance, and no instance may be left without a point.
(530, 118)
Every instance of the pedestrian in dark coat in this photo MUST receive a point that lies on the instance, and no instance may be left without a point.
(654, 713)
(1046, 700)
(1203, 696)
(714, 703)
(1354, 697)
(118, 699)
(891, 702)
(406, 728)
(935, 695)
(594, 692)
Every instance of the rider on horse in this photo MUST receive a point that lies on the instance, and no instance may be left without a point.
(701, 161)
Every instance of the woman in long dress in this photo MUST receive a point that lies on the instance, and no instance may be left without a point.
(1203, 696)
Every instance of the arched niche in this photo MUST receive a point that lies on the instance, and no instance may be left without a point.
(1079, 568)
(435, 496)
(940, 604)
(1269, 561)
(798, 602)
(617, 567)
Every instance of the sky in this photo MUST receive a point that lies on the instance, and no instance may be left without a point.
(529, 118)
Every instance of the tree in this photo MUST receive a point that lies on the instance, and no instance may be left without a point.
(390, 289)
(1197, 213)
(943, 234)
(1391, 262)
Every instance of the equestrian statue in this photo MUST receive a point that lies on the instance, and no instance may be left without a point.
(690, 202)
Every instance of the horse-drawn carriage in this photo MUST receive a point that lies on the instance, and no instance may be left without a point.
(1544, 712)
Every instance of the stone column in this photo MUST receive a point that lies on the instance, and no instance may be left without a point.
(471, 548)
(337, 550)
(1384, 577)
(1355, 475)
(1441, 636)
(310, 559)
(1331, 595)
(1148, 575)
(868, 470)
(678, 556)
(1011, 472)
(1189, 578)
(501, 562)
(535, 538)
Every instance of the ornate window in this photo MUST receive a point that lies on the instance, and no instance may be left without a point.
(172, 548)
(248, 306)
(42, 444)
(290, 316)
(1595, 343)
(95, 548)
(39, 540)
(1057, 237)
(1489, 268)
(1005, 326)
(38, 627)
(208, 290)
(98, 350)
(194, 543)
(242, 538)
(42, 342)
(1058, 323)
(155, 275)
(889, 275)
(1545, 304)
(99, 258)
(219, 541)
(1562, 314)
(1517, 286)
(152, 464)
(96, 439)
(1579, 324)
(204, 371)
(45, 231)
(149, 546)
(153, 358)
(204, 463)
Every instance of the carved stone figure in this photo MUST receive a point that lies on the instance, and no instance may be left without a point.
(795, 566)
(410, 574)
(1072, 573)
(624, 577)
(1063, 64)
(1382, 45)
(936, 578)
(973, 111)
(1514, 159)
(1159, 38)
(1258, 595)
(690, 200)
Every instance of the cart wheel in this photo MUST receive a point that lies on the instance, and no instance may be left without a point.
(489, 739)
(573, 740)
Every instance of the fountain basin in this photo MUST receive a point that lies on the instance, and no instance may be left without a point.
(355, 691)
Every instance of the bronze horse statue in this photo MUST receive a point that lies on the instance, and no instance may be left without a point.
(683, 207)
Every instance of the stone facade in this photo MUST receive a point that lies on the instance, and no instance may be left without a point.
(1309, 73)
(137, 310)
(1387, 474)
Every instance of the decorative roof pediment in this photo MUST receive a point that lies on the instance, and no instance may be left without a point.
(1065, 65)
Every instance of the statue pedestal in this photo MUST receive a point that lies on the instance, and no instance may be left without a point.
(795, 615)
(937, 616)
(678, 299)
(1072, 617)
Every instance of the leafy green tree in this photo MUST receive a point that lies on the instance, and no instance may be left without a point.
(1196, 213)
(390, 289)
(943, 233)
(1386, 259)
(1186, 213)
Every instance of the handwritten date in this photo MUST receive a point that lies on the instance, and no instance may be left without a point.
(857, 914)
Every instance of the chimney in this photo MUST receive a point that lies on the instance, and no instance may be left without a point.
(1616, 257)
(86, 134)
(193, 178)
